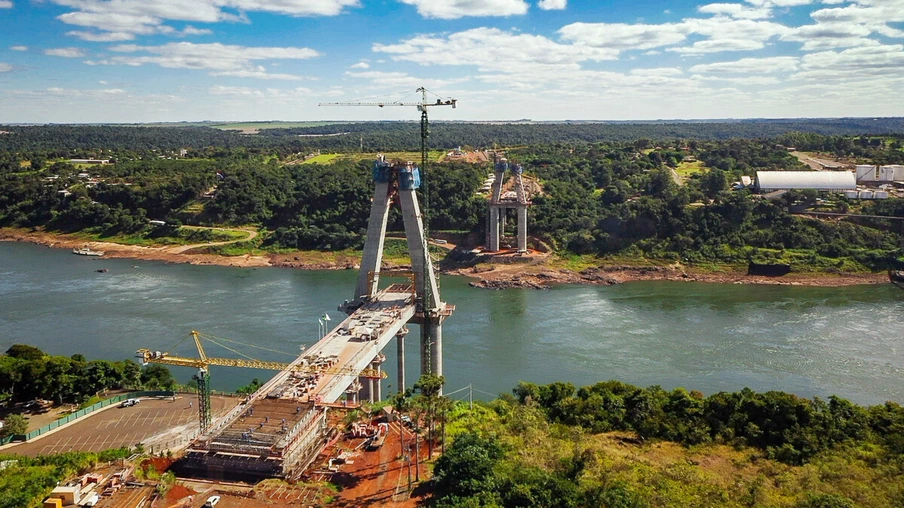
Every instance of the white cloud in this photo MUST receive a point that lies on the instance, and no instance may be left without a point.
(396, 80)
(219, 59)
(745, 80)
(721, 33)
(65, 52)
(728, 34)
(361, 65)
(6, 4)
(19, 48)
(738, 11)
(552, 5)
(190, 30)
(749, 66)
(661, 71)
(491, 50)
(878, 61)
(5, 67)
(454, 9)
(620, 36)
(851, 25)
(146, 17)
(275, 93)
(102, 36)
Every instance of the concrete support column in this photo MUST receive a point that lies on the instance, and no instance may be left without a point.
(425, 354)
(365, 393)
(522, 229)
(436, 349)
(377, 388)
(494, 229)
(400, 347)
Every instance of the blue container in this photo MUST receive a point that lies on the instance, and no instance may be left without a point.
(381, 171)
(517, 169)
(501, 167)
(409, 178)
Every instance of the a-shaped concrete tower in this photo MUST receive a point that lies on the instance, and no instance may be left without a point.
(399, 182)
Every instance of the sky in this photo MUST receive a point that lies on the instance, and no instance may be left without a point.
(91, 61)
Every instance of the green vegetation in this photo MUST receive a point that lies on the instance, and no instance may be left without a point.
(326, 158)
(686, 169)
(602, 200)
(26, 481)
(617, 445)
(27, 373)
(266, 125)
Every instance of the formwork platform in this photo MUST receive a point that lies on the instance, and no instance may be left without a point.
(270, 439)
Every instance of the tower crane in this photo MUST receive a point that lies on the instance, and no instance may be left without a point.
(421, 106)
(203, 363)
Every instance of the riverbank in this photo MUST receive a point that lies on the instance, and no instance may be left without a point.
(536, 273)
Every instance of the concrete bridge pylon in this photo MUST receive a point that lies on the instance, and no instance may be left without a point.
(396, 182)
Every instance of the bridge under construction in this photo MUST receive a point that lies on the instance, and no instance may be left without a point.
(280, 428)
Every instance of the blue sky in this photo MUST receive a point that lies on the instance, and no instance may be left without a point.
(236, 60)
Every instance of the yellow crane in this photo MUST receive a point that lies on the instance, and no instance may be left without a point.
(203, 363)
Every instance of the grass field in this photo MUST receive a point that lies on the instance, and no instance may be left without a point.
(326, 158)
(686, 169)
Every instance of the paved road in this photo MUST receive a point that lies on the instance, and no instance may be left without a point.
(116, 426)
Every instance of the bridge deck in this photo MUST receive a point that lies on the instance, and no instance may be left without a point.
(345, 351)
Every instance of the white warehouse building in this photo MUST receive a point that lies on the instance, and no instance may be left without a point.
(836, 181)
(889, 173)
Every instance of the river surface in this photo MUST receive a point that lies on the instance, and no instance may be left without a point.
(708, 337)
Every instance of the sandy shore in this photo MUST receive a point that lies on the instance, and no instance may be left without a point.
(534, 274)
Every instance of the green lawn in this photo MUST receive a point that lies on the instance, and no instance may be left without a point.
(686, 169)
(325, 158)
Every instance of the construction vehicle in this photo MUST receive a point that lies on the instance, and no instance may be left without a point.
(203, 363)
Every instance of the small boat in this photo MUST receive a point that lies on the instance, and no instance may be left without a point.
(85, 251)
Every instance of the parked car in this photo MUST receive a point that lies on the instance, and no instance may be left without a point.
(129, 402)
(212, 501)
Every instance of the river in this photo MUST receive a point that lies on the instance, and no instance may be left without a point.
(709, 337)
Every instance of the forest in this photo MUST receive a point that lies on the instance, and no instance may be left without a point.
(616, 445)
(72, 140)
(27, 373)
(609, 199)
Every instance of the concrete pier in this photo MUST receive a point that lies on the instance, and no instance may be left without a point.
(400, 351)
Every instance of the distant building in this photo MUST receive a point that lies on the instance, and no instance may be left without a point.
(889, 173)
(833, 181)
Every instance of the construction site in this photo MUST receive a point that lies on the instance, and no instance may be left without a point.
(287, 428)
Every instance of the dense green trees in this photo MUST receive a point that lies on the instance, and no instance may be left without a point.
(599, 197)
(27, 481)
(790, 428)
(28, 373)
(611, 445)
